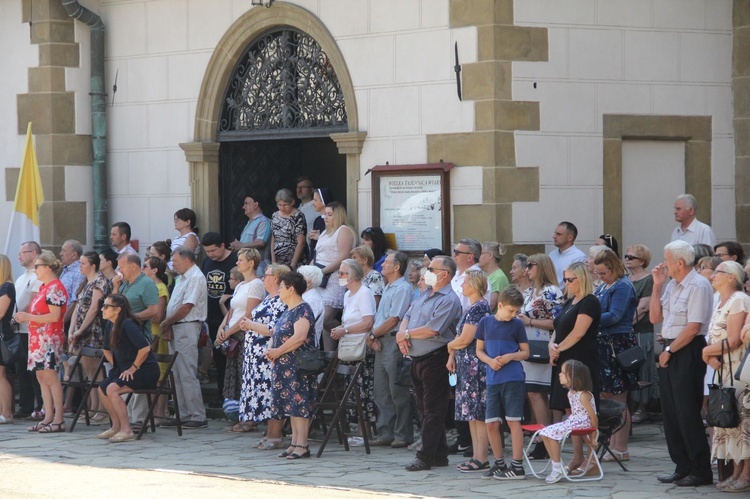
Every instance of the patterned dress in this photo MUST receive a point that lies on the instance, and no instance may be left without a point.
(255, 396)
(374, 280)
(233, 374)
(471, 373)
(93, 335)
(285, 231)
(732, 443)
(46, 340)
(578, 418)
(293, 394)
(545, 304)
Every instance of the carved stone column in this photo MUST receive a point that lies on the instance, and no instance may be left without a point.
(204, 183)
(350, 143)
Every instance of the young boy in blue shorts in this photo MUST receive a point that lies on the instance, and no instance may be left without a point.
(502, 345)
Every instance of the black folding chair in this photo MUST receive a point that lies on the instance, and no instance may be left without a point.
(610, 422)
(336, 398)
(165, 388)
(78, 379)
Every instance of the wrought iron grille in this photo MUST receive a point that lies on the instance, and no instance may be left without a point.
(284, 82)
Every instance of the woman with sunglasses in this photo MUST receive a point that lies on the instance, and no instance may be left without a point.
(637, 259)
(616, 334)
(541, 304)
(133, 365)
(46, 339)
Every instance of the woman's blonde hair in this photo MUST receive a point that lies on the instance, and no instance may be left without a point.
(477, 279)
(6, 272)
(251, 255)
(49, 259)
(277, 269)
(497, 250)
(581, 273)
(610, 260)
(364, 252)
(642, 252)
(338, 218)
(546, 275)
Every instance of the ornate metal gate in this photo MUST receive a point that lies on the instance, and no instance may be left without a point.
(284, 87)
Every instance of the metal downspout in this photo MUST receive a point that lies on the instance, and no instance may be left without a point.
(98, 119)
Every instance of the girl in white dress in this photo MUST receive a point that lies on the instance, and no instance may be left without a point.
(577, 377)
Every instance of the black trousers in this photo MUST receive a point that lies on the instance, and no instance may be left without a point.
(430, 381)
(29, 390)
(220, 360)
(681, 385)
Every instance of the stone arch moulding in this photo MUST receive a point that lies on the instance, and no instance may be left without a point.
(203, 152)
(694, 131)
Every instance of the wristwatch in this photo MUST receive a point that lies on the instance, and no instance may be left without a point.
(372, 336)
(668, 350)
(346, 330)
(406, 335)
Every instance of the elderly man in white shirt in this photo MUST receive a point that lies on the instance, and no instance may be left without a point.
(691, 230)
(186, 312)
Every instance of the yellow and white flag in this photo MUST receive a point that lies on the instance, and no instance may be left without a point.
(24, 220)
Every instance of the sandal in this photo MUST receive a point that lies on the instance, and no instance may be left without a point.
(473, 466)
(610, 456)
(737, 486)
(4, 420)
(287, 452)
(272, 444)
(299, 456)
(36, 427)
(53, 428)
(256, 445)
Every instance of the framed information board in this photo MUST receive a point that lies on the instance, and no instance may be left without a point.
(413, 203)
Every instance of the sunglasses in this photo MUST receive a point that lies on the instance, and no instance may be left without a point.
(109, 305)
(529, 265)
(569, 279)
(631, 257)
(433, 270)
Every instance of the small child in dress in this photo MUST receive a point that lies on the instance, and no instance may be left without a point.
(502, 345)
(577, 377)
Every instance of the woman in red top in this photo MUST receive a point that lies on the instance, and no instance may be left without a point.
(46, 339)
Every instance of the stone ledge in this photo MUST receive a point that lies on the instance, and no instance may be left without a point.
(656, 127)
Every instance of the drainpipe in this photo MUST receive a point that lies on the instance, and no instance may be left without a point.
(98, 119)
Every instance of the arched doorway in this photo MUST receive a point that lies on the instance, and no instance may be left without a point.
(282, 103)
(203, 153)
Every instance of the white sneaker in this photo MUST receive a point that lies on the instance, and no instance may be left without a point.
(554, 477)
(356, 441)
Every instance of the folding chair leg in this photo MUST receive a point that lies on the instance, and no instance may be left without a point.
(536, 473)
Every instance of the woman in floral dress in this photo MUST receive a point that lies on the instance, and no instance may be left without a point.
(293, 393)
(542, 302)
(255, 396)
(86, 325)
(46, 339)
(471, 373)
(288, 232)
(729, 322)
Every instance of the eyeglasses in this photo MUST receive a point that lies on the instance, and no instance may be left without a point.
(721, 272)
(433, 270)
(631, 257)
(569, 279)
(600, 274)
(40, 265)
(456, 252)
(109, 305)
(529, 265)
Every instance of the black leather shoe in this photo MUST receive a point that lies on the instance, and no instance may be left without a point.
(670, 478)
(417, 465)
(694, 481)
(441, 462)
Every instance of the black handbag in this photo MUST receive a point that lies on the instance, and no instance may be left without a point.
(10, 348)
(538, 352)
(324, 282)
(632, 358)
(309, 362)
(721, 411)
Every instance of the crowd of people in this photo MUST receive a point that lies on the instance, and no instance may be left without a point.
(542, 345)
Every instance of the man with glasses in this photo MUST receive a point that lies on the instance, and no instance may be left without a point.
(685, 310)
(565, 253)
(428, 326)
(217, 268)
(186, 312)
(27, 285)
(305, 190)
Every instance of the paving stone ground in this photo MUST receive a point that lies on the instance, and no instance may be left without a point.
(208, 460)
